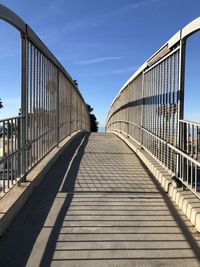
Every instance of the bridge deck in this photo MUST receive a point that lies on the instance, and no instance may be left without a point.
(98, 206)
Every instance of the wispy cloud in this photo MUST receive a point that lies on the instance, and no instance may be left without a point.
(8, 55)
(9, 52)
(100, 19)
(97, 60)
(125, 70)
(55, 6)
(122, 10)
(110, 72)
(91, 22)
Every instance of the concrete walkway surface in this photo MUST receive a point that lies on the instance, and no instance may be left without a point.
(99, 206)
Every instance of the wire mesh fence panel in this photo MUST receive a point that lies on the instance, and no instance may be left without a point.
(73, 111)
(160, 113)
(149, 110)
(64, 106)
(51, 108)
(41, 124)
(10, 152)
(189, 166)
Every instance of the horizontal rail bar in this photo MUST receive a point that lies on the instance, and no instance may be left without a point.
(190, 122)
(52, 107)
(177, 150)
(161, 59)
(171, 44)
(11, 118)
(10, 17)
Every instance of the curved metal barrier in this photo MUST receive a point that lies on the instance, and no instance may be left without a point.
(149, 109)
(52, 108)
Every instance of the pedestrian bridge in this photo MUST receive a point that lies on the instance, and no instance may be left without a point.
(99, 206)
(127, 197)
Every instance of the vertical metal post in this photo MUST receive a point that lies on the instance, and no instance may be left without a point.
(142, 110)
(180, 99)
(58, 109)
(24, 108)
(88, 122)
(70, 110)
(81, 116)
(128, 109)
(77, 111)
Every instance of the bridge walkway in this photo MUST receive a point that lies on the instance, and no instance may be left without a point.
(99, 206)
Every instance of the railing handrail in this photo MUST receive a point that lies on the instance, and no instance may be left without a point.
(184, 33)
(176, 149)
(190, 122)
(153, 101)
(11, 118)
(10, 17)
(49, 99)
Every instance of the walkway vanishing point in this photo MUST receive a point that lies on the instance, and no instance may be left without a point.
(129, 197)
(103, 208)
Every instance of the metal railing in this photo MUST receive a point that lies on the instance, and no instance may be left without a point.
(149, 109)
(52, 108)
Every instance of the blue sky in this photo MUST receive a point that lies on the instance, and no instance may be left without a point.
(100, 43)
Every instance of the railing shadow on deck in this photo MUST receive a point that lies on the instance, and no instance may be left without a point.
(68, 187)
(180, 222)
(47, 192)
(65, 172)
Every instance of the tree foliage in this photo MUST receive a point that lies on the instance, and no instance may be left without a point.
(1, 104)
(93, 120)
(76, 83)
